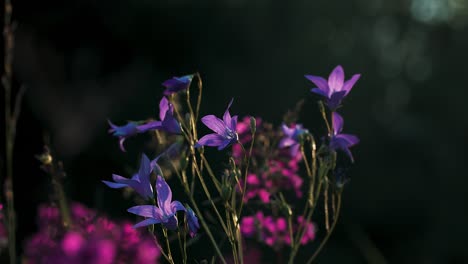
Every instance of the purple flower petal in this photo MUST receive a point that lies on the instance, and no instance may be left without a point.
(319, 92)
(177, 206)
(119, 179)
(335, 100)
(337, 123)
(227, 115)
(145, 168)
(233, 123)
(348, 85)
(286, 142)
(115, 185)
(287, 131)
(164, 194)
(163, 107)
(121, 144)
(211, 140)
(294, 150)
(214, 123)
(171, 222)
(321, 83)
(226, 142)
(147, 222)
(170, 124)
(152, 125)
(146, 211)
(177, 84)
(350, 139)
(192, 221)
(336, 79)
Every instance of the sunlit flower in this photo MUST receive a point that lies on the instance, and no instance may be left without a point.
(164, 213)
(225, 130)
(292, 138)
(339, 140)
(140, 182)
(176, 84)
(335, 89)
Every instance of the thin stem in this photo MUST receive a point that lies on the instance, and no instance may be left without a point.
(183, 251)
(10, 127)
(200, 90)
(200, 215)
(210, 172)
(302, 227)
(325, 203)
(208, 195)
(324, 241)
(168, 245)
(247, 161)
(159, 246)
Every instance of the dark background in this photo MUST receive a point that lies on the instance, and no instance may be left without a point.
(85, 61)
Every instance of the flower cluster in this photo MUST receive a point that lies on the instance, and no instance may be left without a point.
(274, 169)
(165, 213)
(334, 91)
(273, 231)
(90, 239)
(166, 123)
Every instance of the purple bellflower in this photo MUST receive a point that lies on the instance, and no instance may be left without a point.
(339, 140)
(335, 89)
(177, 84)
(140, 182)
(292, 137)
(164, 213)
(192, 222)
(225, 130)
(168, 121)
(124, 132)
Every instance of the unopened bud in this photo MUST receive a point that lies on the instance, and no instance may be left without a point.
(253, 125)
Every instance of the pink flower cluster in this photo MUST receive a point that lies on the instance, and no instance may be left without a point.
(273, 231)
(90, 239)
(272, 169)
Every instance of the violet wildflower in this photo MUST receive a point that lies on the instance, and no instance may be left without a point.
(168, 122)
(192, 222)
(140, 182)
(124, 132)
(292, 138)
(335, 89)
(339, 140)
(225, 130)
(164, 213)
(177, 84)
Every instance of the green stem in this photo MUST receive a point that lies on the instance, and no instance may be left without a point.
(324, 241)
(168, 245)
(182, 248)
(199, 214)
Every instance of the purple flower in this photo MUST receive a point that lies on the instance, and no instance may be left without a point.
(192, 222)
(339, 140)
(335, 89)
(168, 121)
(124, 132)
(140, 182)
(177, 84)
(225, 130)
(292, 137)
(164, 213)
